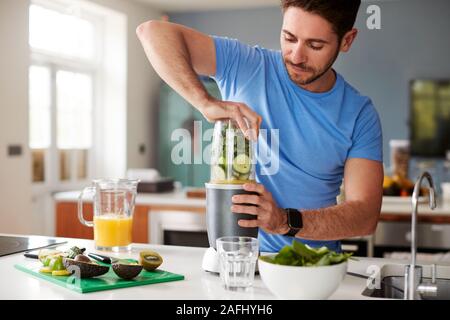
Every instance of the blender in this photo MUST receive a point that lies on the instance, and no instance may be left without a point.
(232, 165)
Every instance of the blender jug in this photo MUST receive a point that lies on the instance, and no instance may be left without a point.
(232, 165)
(232, 160)
(113, 203)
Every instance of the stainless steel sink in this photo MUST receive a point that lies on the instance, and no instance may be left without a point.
(413, 281)
(392, 283)
(387, 289)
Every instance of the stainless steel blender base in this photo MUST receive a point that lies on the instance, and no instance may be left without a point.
(221, 222)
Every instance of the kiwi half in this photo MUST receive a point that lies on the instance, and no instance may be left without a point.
(150, 260)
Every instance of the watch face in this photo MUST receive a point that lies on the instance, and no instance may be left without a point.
(294, 218)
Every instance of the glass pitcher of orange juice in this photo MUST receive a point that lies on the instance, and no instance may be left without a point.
(113, 205)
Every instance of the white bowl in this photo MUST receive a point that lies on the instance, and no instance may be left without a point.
(301, 283)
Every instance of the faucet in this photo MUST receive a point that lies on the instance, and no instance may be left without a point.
(413, 274)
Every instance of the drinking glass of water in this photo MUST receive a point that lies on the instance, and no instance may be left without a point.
(237, 261)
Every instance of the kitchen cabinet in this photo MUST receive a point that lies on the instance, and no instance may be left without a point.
(176, 113)
(392, 216)
(68, 225)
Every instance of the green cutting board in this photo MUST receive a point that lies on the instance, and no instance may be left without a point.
(107, 281)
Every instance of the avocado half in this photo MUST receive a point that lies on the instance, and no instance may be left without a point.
(127, 271)
(87, 269)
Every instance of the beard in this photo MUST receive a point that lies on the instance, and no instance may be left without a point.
(312, 73)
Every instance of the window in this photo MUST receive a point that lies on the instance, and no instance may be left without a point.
(61, 34)
(77, 93)
(73, 132)
(430, 117)
(40, 107)
(62, 87)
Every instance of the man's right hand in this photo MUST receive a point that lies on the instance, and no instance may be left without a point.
(216, 109)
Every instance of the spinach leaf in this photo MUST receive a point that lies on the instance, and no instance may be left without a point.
(299, 254)
(286, 256)
(324, 261)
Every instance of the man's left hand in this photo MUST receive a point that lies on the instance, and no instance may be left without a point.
(270, 218)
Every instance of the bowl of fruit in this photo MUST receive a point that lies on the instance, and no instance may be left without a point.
(400, 189)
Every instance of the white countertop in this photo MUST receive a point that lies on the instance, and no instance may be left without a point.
(400, 205)
(442, 208)
(177, 197)
(197, 285)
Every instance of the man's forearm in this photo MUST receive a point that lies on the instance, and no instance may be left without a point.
(345, 220)
(166, 50)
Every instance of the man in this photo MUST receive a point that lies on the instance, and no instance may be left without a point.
(327, 130)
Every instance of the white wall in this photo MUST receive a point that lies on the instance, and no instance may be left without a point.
(142, 86)
(15, 172)
(413, 42)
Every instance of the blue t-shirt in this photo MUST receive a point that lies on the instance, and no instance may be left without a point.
(315, 133)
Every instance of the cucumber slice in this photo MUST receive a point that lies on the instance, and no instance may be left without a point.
(221, 161)
(244, 176)
(241, 164)
(46, 270)
(61, 273)
(218, 174)
(240, 176)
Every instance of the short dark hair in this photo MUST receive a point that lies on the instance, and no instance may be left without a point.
(340, 13)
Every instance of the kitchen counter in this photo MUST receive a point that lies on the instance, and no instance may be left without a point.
(177, 197)
(391, 210)
(395, 212)
(197, 285)
(401, 211)
(400, 206)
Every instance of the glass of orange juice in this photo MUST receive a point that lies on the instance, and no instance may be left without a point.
(113, 212)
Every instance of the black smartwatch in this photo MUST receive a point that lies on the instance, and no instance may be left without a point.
(294, 221)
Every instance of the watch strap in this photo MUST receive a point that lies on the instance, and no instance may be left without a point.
(293, 230)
